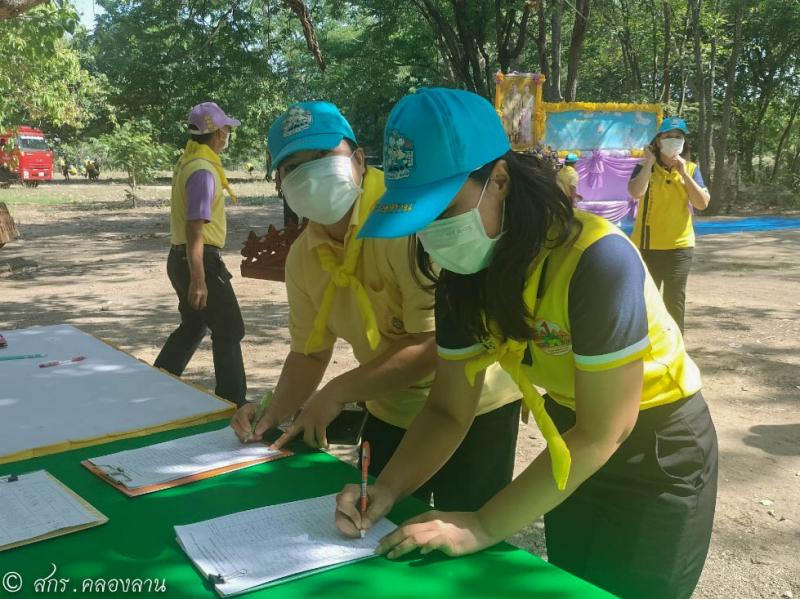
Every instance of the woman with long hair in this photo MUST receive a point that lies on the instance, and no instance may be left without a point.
(561, 299)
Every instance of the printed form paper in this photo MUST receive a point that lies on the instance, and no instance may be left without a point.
(171, 460)
(264, 546)
(37, 505)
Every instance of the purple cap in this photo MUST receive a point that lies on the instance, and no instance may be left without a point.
(207, 118)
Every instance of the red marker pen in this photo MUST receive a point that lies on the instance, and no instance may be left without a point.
(364, 474)
(62, 362)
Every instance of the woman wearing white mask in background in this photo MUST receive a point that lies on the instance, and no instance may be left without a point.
(367, 293)
(666, 185)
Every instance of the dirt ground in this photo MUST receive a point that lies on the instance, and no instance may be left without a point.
(87, 258)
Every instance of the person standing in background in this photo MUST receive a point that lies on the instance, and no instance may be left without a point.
(198, 225)
(668, 186)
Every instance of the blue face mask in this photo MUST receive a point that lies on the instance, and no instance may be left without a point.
(460, 243)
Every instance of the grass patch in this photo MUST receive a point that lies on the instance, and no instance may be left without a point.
(35, 196)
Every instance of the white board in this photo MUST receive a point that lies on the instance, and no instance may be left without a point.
(109, 395)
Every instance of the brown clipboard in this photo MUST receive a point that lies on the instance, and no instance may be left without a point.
(101, 519)
(178, 482)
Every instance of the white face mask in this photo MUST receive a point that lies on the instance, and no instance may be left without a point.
(322, 190)
(460, 243)
(671, 146)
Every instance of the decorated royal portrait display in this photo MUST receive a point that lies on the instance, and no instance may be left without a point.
(518, 97)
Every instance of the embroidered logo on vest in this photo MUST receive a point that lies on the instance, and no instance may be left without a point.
(550, 338)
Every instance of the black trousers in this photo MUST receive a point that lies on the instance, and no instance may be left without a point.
(221, 315)
(671, 267)
(640, 527)
(481, 466)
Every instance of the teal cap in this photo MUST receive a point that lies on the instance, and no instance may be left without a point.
(307, 126)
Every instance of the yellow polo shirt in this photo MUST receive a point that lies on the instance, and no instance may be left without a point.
(401, 307)
(664, 218)
(214, 231)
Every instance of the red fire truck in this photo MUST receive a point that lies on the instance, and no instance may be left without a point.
(25, 156)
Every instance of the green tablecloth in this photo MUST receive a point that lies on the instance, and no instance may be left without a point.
(139, 542)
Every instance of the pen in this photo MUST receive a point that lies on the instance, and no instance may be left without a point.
(62, 362)
(23, 357)
(364, 470)
(262, 407)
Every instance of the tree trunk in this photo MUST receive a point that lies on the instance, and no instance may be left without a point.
(667, 12)
(509, 49)
(555, 79)
(709, 104)
(582, 9)
(462, 40)
(682, 59)
(695, 7)
(470, 45)
(795, 164)
(13, 8)
(542, 41)
(720, 166)
(626, 42)
(785, 137)
(133, 188)
(303, 14)
(753, 131)
(654, 64)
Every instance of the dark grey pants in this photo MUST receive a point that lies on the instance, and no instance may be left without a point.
(641, 525)
(671, 268)
(481, 466)
(221, 315)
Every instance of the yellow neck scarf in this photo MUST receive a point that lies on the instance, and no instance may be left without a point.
(509, 354)
(342, 275)
(196, 150)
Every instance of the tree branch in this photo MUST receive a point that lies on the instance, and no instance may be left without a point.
(13, 8)
(302, 13)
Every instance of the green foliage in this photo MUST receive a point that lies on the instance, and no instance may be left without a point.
(133, 148)
(161, 57)
(376, 54)
(42, 81)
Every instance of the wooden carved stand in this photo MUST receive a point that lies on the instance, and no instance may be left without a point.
(265, 257)
(8, 228)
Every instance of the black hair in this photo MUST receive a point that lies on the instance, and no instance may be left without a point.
(538, 215)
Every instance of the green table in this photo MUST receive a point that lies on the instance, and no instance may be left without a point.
(139, 542)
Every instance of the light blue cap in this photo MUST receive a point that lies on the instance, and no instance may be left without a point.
(307, 126)
(433, 140)
(673, 122)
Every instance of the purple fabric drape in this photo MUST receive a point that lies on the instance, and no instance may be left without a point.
(611, 210)
(603, 183)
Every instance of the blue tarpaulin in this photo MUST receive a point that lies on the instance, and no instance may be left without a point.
(737, 225)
